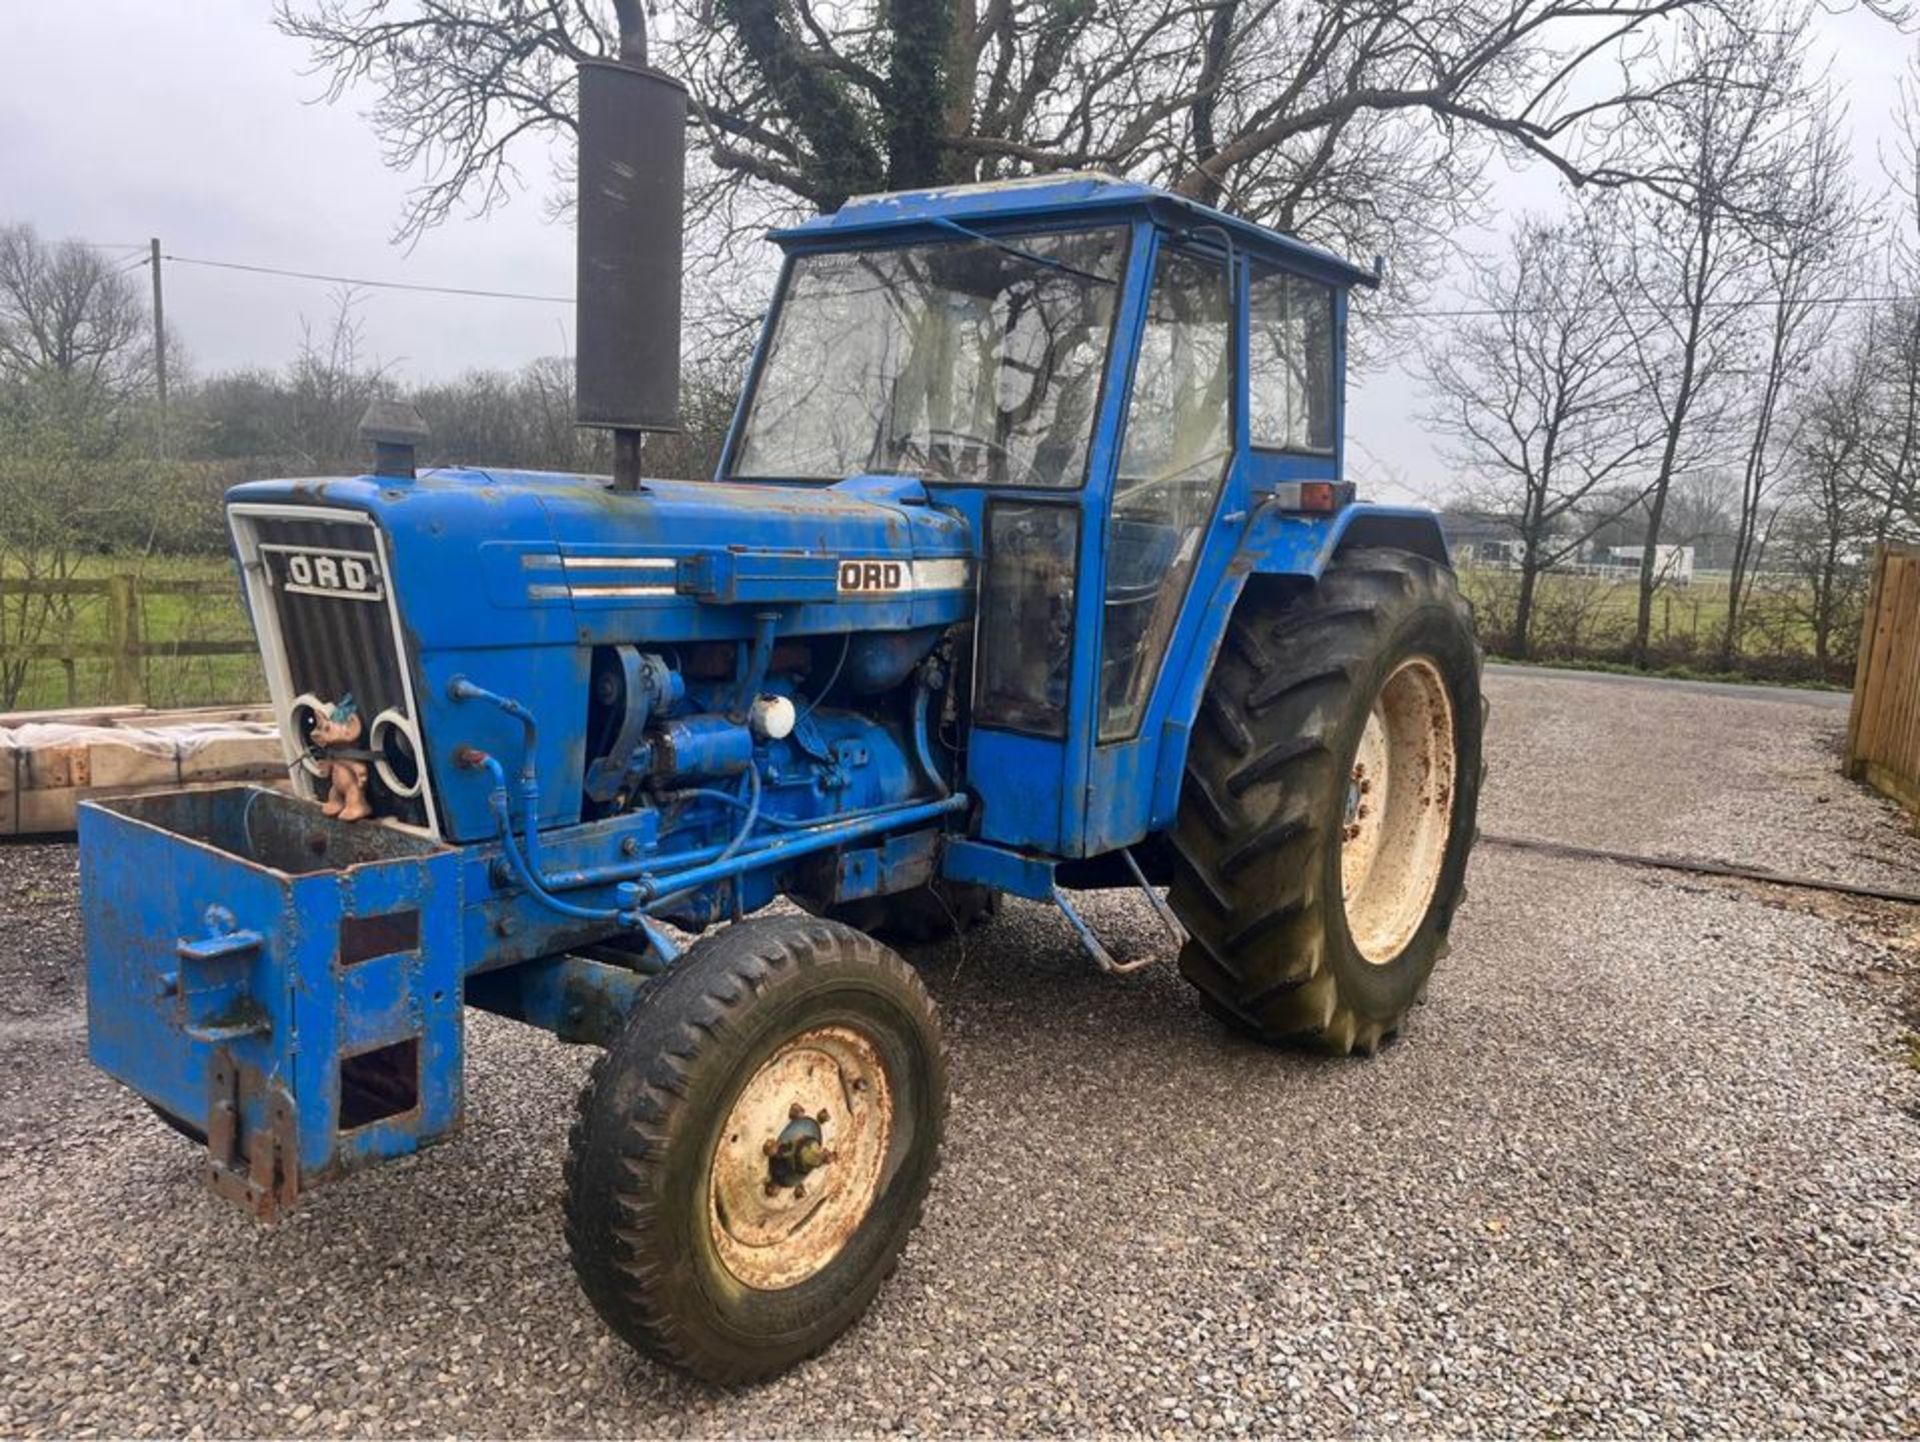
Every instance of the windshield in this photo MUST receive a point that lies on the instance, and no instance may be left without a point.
(974, 360)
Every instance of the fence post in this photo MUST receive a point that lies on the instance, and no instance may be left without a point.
(125, 682)
(1863, 671)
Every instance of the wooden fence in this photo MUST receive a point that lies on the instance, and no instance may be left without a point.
(1883, 729)
(118, 635)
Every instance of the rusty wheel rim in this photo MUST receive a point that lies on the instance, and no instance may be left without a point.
(1399, 811)
(799, 1162)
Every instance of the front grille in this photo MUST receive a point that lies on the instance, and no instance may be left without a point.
(329, 600)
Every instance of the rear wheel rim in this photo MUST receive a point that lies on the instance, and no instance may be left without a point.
(1399, 811)
(799, 1162)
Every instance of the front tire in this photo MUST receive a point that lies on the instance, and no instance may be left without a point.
(752, 1152)
(1329, 803)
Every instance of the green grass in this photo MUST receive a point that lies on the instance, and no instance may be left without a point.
(1589, 621)
(1579, 620)
(215, 614)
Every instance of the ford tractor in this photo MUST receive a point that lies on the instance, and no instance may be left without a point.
(1031, 567)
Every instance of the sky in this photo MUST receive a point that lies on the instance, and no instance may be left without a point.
(194, 121)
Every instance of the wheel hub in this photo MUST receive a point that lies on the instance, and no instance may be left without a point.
(799, 1160)
(1398, 814)
(799, 1150)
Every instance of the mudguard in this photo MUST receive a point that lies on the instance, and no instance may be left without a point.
(1277, 543)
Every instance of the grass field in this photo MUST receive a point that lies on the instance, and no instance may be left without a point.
(1590, 619)
(215, 614)
(1578, 620)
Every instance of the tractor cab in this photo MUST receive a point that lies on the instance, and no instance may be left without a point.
(1108, 381)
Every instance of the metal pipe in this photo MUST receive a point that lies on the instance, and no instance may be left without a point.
(784, 848)
(646, 889)
(583, 877)
(754, 673)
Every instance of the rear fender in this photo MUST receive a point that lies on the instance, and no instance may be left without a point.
(1279, 545)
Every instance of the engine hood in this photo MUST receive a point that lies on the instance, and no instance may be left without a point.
(490, 557)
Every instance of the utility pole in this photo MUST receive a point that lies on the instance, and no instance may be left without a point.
(159, 341)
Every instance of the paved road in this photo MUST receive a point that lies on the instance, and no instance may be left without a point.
(1642, 1164)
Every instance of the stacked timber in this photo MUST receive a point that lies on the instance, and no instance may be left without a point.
(50, 761)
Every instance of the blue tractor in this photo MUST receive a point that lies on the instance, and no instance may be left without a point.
(1030, 567)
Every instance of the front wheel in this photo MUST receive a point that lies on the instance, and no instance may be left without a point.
(1329, 803)
(755, 1147)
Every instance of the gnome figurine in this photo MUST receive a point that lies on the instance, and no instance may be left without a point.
(346, 780)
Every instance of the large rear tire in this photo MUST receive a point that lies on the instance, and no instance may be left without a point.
(1329, 801)
(752, 1152)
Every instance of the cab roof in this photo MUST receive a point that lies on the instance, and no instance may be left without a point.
(1061, 196)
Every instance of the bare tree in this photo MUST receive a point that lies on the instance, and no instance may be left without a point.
(1540, 402)
(1834, 514)
(75, 358)
(1364, 125)
(1892, 470)
(1807, 231)
(74, 328)
(329, 387)
(1687, 257)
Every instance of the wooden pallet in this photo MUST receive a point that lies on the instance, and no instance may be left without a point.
(50, 761)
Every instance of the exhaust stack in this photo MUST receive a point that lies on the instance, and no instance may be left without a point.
(633, 124)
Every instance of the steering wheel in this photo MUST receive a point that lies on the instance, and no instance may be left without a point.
(996, 449)
(1155, 492)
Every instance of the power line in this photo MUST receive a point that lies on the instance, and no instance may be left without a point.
(1490, 312)
(475, 292)
(370, 284)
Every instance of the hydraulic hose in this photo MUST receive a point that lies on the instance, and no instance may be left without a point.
(461, 689)
(525, 872)
(922, 743)
(753, 815)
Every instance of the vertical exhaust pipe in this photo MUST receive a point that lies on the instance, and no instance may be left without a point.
(633, 124)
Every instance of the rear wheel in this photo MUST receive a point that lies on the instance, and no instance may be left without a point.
(754, 1149)
(1328, 807)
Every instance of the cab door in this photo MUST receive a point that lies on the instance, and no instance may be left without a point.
(1036, 642)
(1171, 494)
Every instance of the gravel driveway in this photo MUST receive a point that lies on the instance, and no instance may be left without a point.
(1645, 1162)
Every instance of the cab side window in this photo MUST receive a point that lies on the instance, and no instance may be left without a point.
(1290, 356)
(1178, 441)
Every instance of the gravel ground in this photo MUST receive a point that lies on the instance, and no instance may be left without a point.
(1644, 1163)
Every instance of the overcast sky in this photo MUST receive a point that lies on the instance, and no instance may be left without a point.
(191, 120)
